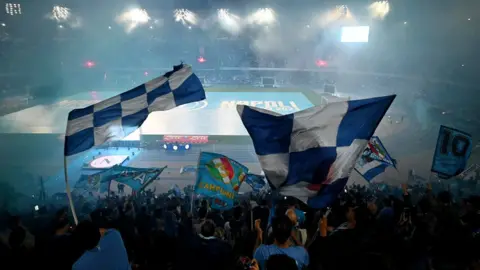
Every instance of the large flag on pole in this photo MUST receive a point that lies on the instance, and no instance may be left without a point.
(310, 154)
(117, 117)
(452, 152)
(374, 160)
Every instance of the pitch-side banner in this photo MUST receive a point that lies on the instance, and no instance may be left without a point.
(452, 152)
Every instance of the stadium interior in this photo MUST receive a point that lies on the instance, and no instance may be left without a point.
(240, 134)
(279, 55)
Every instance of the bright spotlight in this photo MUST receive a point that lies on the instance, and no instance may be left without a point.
(228, 21)
(223, 13)
(133, 18)
(175, 148)
(185, 16)
(13, 9)
(187, 146)
(60, 14)
(165, 146)
(262, 16)
(379, 9)
(139, 16)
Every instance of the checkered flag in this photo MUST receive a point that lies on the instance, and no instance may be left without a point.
(117, 117)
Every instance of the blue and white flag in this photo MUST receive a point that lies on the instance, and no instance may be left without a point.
(452, 152)
(310, 154)
(117, 117)
(374, 160)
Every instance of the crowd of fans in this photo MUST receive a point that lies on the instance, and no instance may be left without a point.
(364, 229)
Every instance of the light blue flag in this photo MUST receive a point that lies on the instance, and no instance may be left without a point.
(94, 183)
(452, 152)
(219, 178)
(135, 178)
(118, 116)
(310, 154)
(256, 182)
(374, 160)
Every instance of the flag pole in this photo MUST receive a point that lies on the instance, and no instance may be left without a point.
(69, 193)
(196, 182)
(251, 218)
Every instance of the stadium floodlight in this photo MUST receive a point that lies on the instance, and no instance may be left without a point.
(379, 9)
(137, 16)
(133, 18)
(13, 9)
(185, 16)
(60, 14)
(228, 21)
(262, 16)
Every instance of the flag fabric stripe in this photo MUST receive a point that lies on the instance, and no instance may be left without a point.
(372, 169)
(319, 145)
(372, 173)
(220, 166)
(118, 116)
(368, 166)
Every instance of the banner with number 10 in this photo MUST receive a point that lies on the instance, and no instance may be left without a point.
(452, 152)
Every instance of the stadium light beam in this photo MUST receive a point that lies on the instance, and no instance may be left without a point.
(139, 16)
(379, 10)
(185, 16)
(133, 18)
(228, 21)
(60, 14)
(263, 16)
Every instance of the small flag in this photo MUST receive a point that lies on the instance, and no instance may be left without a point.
(310, 154)
(374, 160)
(257, 182)
(117, 117)
(219, 178)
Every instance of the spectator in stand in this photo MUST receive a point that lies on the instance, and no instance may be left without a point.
(103, 249)
(282, 229)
